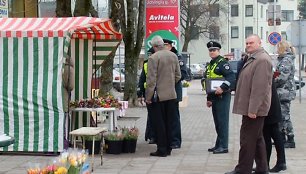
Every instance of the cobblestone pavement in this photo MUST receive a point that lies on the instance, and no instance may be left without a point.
(198, 135)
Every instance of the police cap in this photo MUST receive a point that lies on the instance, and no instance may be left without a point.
(213, 45)
(167, 41)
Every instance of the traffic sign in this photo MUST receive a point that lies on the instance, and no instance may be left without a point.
(274, 38)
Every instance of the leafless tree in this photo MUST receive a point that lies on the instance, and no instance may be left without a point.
(131, 23)
(200, 18)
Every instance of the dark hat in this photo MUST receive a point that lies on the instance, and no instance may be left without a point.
(167, 41)
(213, 45)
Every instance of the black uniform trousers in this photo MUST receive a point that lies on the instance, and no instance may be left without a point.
(252, 146)
(150, 132)
(162, 119)
(176, 127)
(273, 131)
(220, 110)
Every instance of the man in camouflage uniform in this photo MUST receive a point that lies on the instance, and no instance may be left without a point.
(286, 90)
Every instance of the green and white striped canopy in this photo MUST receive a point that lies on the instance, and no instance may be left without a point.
(32, 52)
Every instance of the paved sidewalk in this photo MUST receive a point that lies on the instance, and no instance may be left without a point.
(198, 135)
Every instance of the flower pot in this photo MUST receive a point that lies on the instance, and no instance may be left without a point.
(129, 146)
(113, 147)
(88, 145)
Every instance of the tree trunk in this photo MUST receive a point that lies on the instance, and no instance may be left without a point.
(63, 8)
(84, 8)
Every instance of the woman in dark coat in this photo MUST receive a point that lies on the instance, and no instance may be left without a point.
(271, 131)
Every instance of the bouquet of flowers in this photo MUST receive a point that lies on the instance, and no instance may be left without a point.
(114, 136)
(185, 84)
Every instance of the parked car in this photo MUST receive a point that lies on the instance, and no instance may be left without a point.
(118, 80)
(196, 71)
(297, 83)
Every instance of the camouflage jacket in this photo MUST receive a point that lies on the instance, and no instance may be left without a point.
(285, 81)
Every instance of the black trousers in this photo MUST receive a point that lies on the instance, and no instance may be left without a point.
(176, 127)
(272, 131)
(150, 132)
(252, 146)
(163, 113)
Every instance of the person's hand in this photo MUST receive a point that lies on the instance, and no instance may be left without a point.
(209, 104)
(148, 102)
(141, 100)
(252, 115)
(218, 91)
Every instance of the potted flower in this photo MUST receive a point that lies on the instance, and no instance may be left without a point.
(130, 139)
(88, 143)
(113, 142)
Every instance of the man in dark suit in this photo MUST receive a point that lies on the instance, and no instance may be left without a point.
(176, 128)
(163, 74)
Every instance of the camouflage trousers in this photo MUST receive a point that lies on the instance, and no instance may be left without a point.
(286, 124)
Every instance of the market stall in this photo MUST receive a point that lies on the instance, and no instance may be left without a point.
(32, 53)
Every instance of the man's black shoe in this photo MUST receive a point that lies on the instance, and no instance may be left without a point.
(278, 167)
(232, 172)
(260, 172)
(175, 146)
(152, 141)
(220, 150)
(157, 153)
(212, 149)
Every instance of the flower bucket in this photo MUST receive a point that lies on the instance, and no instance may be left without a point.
(88, 145)
(113, 147)
(184, 92)
(129, 146)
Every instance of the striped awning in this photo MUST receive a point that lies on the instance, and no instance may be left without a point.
(77, 27)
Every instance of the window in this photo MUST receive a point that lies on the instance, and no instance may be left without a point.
(284, 35)
(195, 32)
(248, 31)
(287, 15)
(261, 11)
(261, 32)
(272, 0)
(232, 50)
(248, 10)
(235, 32)
(234, 10)
(214, 32)
(214, 10)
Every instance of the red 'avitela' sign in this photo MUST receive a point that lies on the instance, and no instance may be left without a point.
(162, 15)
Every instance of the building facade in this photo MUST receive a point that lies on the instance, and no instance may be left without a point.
(247, 17)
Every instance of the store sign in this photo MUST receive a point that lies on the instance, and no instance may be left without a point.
(3, 8)
(162, 16)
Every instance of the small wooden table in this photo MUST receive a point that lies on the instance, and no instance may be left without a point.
(89, 131)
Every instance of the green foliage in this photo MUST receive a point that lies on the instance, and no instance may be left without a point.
(114, 136)
(90, 138)
(130, 133)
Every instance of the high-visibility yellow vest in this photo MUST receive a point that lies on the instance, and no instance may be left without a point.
(145, 68)
(210, 73)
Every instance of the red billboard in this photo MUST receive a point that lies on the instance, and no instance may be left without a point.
(162, 16)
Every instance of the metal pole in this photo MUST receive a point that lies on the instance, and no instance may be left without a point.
(274, 21)
(300, 53)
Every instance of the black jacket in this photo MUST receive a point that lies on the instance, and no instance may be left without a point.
(275, 113)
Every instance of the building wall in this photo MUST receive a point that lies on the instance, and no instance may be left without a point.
(258, 21)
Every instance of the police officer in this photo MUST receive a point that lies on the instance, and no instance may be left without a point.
(220, 98)
(176, 129)
(149, 132)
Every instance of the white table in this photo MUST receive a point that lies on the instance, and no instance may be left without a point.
(111, 115)
(89, 131)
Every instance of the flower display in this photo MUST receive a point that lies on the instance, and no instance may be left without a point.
(130, 133)
(105, 102)
(185, 84)
(71, 161)
(114, 136)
